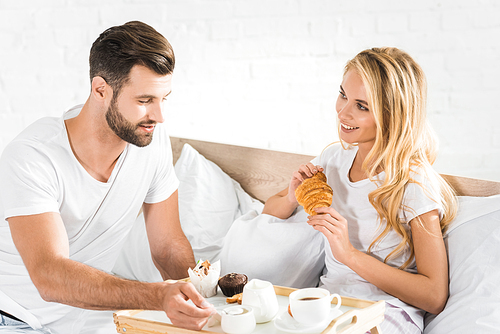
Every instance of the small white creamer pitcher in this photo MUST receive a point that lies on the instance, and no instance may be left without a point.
(260, 295)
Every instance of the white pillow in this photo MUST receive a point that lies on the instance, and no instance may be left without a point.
(209, 202)
(285, 252)
(474, 267)
(470, 207)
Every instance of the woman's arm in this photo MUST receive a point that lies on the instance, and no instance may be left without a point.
(280, 205)
(284, 203)
(427, 289)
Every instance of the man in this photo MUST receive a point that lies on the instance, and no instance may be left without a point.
(71, 188)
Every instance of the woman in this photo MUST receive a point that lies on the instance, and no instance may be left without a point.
(384, 227)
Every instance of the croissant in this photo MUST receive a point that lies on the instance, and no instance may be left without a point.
(314, 193)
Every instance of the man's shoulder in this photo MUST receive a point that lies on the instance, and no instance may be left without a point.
(34, 140)
(41, 130)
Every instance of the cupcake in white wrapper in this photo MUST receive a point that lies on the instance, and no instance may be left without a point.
(205, 277)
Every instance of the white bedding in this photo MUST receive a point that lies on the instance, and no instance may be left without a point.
(473, 244)
(287, 252)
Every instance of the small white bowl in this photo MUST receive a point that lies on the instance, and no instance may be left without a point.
(237, 319)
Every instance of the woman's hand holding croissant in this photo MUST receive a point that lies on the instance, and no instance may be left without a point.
(305, 171)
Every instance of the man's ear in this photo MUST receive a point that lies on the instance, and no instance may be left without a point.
(100, 89)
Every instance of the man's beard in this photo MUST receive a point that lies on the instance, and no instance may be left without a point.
(126, 130)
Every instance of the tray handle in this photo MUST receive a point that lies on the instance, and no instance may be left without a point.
(362, 320)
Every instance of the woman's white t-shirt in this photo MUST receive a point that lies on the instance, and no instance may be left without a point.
(350, 199)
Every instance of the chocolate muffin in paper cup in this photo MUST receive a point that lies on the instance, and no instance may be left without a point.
(205, 277)
(232, 284)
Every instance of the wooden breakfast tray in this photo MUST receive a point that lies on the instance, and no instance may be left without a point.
(359, 316)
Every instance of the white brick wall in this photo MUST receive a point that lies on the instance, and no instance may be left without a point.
(265, 73)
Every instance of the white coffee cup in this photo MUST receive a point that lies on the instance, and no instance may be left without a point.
(312, 306)
(260, 295)
(237, 320)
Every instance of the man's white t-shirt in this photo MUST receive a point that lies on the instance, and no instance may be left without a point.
(39, 173)
(350, 199)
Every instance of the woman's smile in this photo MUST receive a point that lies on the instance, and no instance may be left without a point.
(348, 128)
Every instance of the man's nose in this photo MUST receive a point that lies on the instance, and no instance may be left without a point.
(157, 113)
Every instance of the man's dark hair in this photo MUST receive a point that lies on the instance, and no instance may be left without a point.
(119, 48)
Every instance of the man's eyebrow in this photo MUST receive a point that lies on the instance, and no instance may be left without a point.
(149, 96)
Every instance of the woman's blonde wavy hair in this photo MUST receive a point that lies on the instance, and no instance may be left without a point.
(397, 92)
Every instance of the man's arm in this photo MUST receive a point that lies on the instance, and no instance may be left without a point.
(43, 245)
(171, 251)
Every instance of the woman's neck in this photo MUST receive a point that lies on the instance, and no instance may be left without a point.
(357, 172)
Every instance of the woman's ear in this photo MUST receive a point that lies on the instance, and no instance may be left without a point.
(100, 89)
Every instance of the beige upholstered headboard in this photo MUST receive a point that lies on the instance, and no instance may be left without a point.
(263, 173)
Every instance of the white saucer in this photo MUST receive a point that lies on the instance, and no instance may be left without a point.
(284, 322)
(218, 302)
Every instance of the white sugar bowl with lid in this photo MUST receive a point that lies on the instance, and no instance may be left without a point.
(238, 319)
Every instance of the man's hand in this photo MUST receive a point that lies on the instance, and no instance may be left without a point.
(180, 311)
